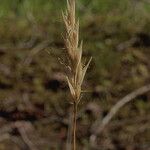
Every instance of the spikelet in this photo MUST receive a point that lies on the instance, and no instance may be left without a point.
(74, 52)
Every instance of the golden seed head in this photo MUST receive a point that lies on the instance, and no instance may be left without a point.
(74, 52)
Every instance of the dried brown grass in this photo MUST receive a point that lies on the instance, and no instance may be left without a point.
(75, 66)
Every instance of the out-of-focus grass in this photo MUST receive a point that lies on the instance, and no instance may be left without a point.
(105, 23)
(122, 14)
(40, 8)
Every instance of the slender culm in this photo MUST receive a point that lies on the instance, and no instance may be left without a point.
(76, 69)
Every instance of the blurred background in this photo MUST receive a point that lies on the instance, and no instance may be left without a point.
(35, 112)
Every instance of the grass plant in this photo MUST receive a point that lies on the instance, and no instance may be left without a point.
(76, 68)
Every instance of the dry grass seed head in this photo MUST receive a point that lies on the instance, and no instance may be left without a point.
(74, 51)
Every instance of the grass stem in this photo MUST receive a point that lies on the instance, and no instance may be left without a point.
(74, 125)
